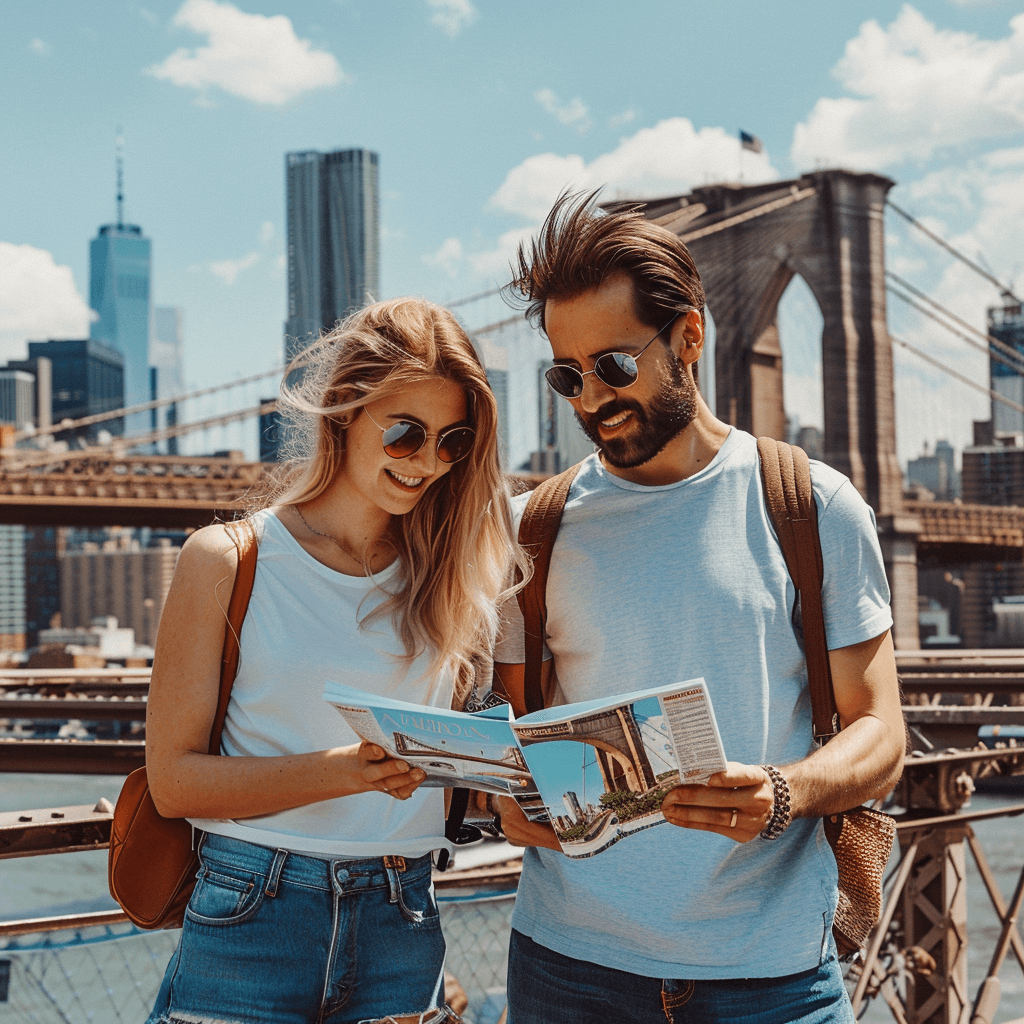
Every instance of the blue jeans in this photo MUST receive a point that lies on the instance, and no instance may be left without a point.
(545, 987)
(272, 937)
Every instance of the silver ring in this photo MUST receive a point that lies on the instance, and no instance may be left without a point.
(732, 820)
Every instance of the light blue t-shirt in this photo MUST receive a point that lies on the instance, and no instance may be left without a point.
(654, 585)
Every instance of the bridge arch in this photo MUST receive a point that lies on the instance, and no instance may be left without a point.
(615, 735)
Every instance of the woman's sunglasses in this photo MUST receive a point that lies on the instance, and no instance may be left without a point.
(616, 369)
(405, 439)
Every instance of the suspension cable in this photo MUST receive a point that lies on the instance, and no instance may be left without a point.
(1015, 363)
(1004, 289)
(994, 395)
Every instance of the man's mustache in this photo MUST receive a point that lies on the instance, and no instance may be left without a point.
(610, 409)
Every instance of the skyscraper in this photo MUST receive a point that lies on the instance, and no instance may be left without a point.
(120, 268)
(333, 213)
(17, 398)
(87, 378)
(165, 367)
(1006, 323)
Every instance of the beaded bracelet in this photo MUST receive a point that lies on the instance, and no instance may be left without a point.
(780, 819)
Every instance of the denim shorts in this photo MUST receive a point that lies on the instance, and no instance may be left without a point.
(545, 987)
(272, 937)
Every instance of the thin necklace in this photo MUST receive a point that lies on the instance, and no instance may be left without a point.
(344, 550)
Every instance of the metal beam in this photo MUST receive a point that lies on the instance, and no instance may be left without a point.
(78, 757)
(55, 830)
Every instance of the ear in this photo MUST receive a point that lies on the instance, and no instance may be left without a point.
(687, 338)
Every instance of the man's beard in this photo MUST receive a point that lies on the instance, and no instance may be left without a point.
(669, 413)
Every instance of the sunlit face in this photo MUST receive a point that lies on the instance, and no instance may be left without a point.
(396, 485)
(630, 425)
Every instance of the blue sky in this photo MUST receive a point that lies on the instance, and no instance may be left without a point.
(481, 113)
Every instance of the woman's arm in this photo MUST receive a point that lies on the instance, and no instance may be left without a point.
(185, 780)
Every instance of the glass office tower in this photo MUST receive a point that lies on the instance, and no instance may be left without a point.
(333, 214)
(120, 269)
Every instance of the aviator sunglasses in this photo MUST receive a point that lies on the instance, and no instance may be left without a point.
(616, 369)
(406, 438)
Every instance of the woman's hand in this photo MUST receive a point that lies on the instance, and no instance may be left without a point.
(520, 831)
(373, 770)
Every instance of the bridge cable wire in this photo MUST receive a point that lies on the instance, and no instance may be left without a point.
(25, 458)
(994, 395)
(1005, 290)
(100, 417)
(1016, 362)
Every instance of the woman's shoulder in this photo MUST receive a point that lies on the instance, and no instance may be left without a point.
(209, 550)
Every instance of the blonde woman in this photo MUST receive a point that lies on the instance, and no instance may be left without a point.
(380, 564)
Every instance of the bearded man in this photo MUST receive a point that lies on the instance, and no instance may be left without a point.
(666, 567)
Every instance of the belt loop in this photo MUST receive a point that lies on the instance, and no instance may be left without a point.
(394, 885)
(275, 872)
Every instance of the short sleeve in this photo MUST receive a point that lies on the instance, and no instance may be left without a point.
(854, 592)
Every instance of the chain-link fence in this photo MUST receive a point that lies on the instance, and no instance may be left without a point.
(110, 974)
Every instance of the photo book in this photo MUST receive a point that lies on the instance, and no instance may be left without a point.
(597, 771)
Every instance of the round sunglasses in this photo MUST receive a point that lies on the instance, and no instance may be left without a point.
(616, 369)
(406, 438)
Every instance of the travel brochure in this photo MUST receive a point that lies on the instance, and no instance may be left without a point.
(597, 771)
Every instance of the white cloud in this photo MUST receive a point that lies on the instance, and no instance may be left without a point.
(916, 90)
(251, 56)
(228, 270)
(626, 117)
(451, 16)
(39, 46)
(672, 157)
(572, 113)
(448, 257)
(38, 300)
(494, 263)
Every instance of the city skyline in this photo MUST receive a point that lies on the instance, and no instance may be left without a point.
(477, 133)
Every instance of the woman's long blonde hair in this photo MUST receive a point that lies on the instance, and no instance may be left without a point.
(457, 547)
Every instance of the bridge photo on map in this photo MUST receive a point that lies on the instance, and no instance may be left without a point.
(603, 775)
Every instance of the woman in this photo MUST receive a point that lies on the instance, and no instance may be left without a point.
(380, 564)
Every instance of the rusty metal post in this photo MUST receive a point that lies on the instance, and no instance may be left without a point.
(935, 922)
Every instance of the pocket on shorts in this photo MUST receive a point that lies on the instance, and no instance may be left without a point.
(221, 897)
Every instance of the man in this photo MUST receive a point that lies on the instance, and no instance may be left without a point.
(665, 568)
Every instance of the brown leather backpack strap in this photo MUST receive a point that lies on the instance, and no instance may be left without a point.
(789, 496)
(243, 533)
(537, 531)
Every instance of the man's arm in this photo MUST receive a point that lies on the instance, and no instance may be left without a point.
(863, 762)
(519, 831)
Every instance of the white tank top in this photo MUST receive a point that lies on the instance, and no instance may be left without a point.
(300, 629)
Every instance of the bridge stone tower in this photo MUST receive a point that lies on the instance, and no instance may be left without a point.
(749, 242)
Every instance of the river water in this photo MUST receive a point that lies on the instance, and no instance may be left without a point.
(64, 883)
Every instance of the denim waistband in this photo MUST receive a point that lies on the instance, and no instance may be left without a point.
(345, 873)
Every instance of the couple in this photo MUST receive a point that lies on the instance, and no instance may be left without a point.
(384, 562)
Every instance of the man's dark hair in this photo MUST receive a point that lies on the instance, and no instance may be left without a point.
(579, 246)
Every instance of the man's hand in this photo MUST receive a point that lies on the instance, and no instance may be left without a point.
(736, 803)
(519, 830)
